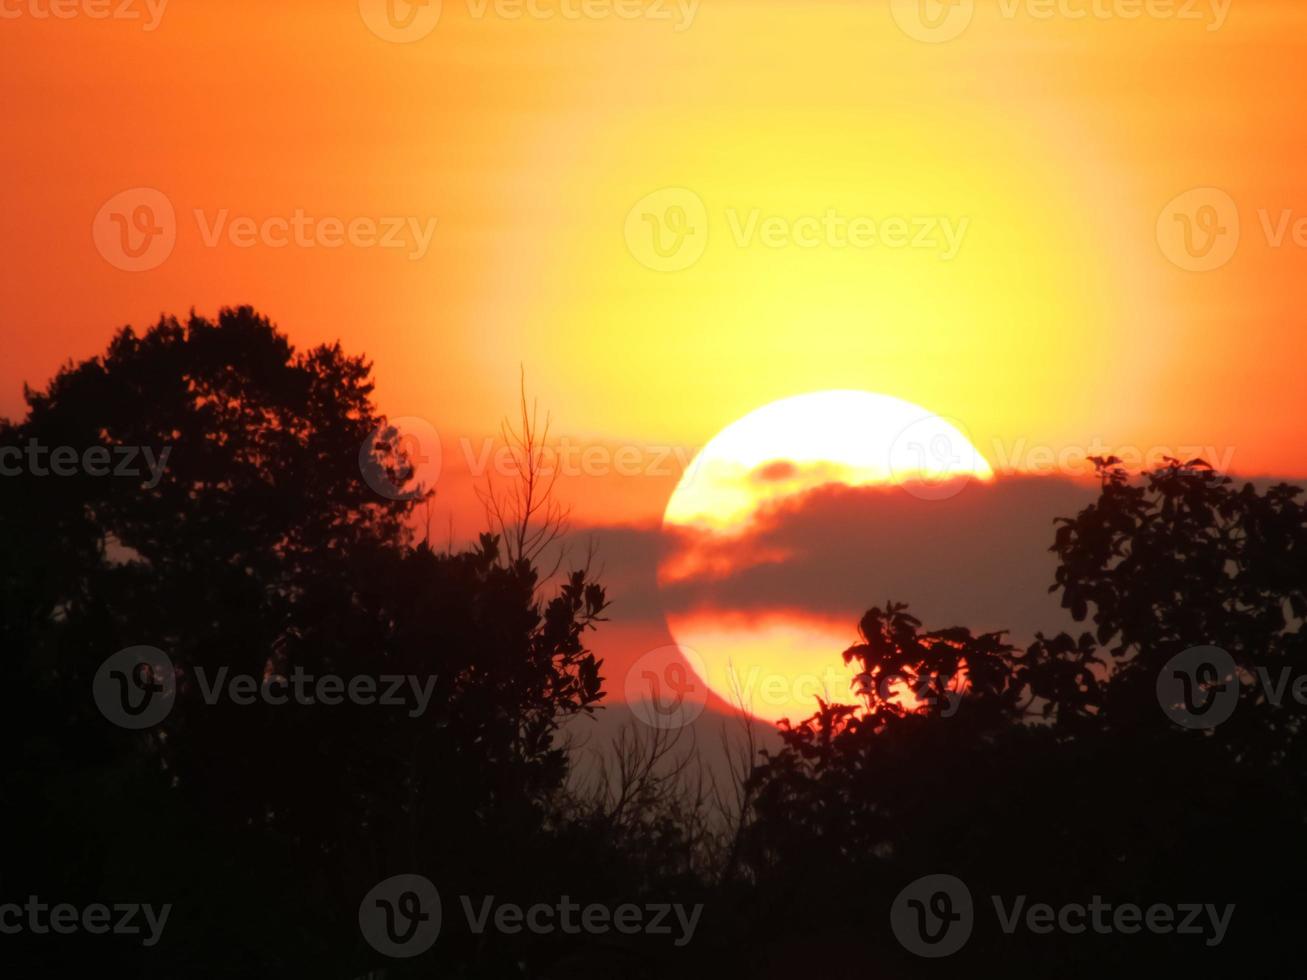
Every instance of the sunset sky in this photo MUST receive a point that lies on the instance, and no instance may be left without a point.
(1029, 277)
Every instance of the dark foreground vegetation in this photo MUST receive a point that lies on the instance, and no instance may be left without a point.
(261, 549)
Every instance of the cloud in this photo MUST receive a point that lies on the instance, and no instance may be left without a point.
(977, 559)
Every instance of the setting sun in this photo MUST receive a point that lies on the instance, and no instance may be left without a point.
(774, 664)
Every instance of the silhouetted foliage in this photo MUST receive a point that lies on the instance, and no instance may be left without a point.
(1057, 775)
(259, 550)
(262, 551)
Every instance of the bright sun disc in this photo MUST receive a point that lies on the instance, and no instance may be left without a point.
(778, 662)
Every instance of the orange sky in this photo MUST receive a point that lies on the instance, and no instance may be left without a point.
(1057, 140)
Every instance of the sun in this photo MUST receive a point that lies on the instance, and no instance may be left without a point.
(776, 663)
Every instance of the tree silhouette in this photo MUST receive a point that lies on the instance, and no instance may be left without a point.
(262, 551)
(1059, 776)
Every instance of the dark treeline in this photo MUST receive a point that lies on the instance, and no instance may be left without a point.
(259, 549)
